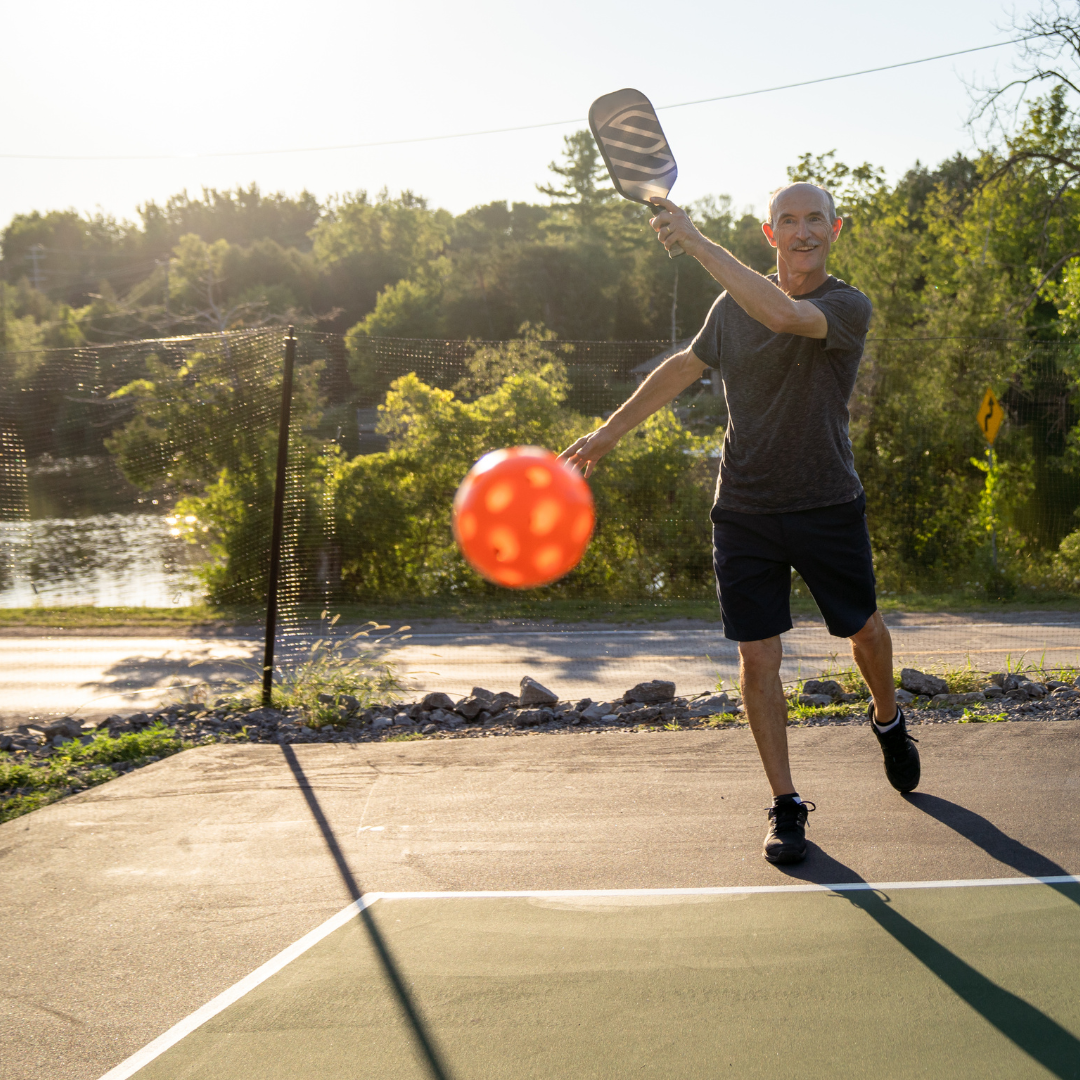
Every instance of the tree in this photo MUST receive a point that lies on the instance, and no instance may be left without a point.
(582, 194)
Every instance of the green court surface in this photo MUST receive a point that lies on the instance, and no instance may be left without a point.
(556, 907)
(953, 980)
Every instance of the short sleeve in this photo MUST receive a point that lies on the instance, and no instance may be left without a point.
(706, 344)
(847, 312)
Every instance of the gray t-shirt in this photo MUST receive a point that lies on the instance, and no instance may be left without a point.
(787, 446)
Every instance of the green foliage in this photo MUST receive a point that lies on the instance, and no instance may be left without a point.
(534, 350)
(207, 429)
(335, 667)
(584, 193)
(797, 713)
(393, 508)
(27, 785)
(586, 264)
(972, 716)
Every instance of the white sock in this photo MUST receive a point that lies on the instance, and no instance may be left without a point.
(888, 727)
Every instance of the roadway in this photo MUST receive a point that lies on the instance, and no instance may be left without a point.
(93, 674)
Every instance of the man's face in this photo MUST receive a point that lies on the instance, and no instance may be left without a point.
(801, 229)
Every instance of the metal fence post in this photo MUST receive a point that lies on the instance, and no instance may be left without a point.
(278, 527)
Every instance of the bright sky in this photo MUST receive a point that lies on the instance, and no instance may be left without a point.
(211, 76)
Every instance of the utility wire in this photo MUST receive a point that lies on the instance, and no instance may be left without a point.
(498, 131)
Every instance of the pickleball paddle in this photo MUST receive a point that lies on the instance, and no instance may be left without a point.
(634, 147)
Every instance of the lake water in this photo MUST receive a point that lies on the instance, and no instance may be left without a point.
(93, 538)
(107, 560)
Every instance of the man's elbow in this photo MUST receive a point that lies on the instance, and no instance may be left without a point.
(785, 321)
(691, 366)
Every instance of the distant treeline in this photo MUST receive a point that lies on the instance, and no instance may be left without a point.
(584, 263)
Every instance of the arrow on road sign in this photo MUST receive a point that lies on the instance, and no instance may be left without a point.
(991, 414)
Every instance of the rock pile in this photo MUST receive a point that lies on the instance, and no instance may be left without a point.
(535, 708)
(1014, 686)
(919, 688)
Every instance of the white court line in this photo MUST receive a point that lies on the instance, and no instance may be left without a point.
(732, 890)
(148, 1053)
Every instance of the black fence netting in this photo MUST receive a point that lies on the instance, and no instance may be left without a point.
(142, 473)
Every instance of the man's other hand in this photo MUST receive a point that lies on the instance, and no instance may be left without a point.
(673, 226)
(589, 449)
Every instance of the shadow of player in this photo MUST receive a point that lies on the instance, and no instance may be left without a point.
(425, 1042)
(1030, 1029)
(998, 845)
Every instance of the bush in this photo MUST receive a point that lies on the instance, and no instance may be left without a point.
(394, 509)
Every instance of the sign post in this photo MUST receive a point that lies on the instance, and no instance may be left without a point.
(990, 417)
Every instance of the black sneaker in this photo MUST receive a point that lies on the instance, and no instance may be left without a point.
(902, 765)
(785, 842)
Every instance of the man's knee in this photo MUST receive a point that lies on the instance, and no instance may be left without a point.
(873, 633)
(760, 660)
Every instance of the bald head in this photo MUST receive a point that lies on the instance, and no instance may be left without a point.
(783, 194)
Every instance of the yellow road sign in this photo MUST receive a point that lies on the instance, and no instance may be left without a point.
(990, 416)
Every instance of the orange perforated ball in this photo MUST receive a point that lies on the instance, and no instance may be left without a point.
(523, 518)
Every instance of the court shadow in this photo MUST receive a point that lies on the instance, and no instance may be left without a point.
(424, 1041)
(820, 868)
(998, 845)
(1030, 1029)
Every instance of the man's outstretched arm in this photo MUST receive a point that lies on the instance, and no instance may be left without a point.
(664, 384)
(754, 293)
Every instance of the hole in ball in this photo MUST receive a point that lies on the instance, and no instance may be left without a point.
(499, 497)
(538, 476)
(548, 559)
(544, 517)
(505, 544)
(467, 525)
(582, 526)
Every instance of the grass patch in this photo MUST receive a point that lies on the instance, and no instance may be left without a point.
(963, 679)
(335, 668)
(407, 736)
(86, 617)
(522, 607)
(969, 716)
(975, 600)
(30, 783)
(821, 712)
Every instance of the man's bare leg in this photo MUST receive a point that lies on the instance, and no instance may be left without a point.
(766, 708)
(871, 649)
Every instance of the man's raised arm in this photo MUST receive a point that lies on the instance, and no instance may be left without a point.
(664, 384)
(755, 294)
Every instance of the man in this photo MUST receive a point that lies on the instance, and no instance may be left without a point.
(787, 347)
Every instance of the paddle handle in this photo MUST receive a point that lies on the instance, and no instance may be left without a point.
(676, 249)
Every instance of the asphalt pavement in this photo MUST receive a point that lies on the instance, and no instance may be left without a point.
(129, 906)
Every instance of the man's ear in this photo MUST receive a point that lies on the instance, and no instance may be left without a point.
(766, 228)
(838, 224)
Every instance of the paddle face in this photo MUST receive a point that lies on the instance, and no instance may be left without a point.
(633, 145)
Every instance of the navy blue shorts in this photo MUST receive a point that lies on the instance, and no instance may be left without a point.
(753, 556)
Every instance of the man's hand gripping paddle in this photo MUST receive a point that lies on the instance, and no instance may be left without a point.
(635, 150)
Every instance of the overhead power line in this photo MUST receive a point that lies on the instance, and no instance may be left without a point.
(502, 130)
